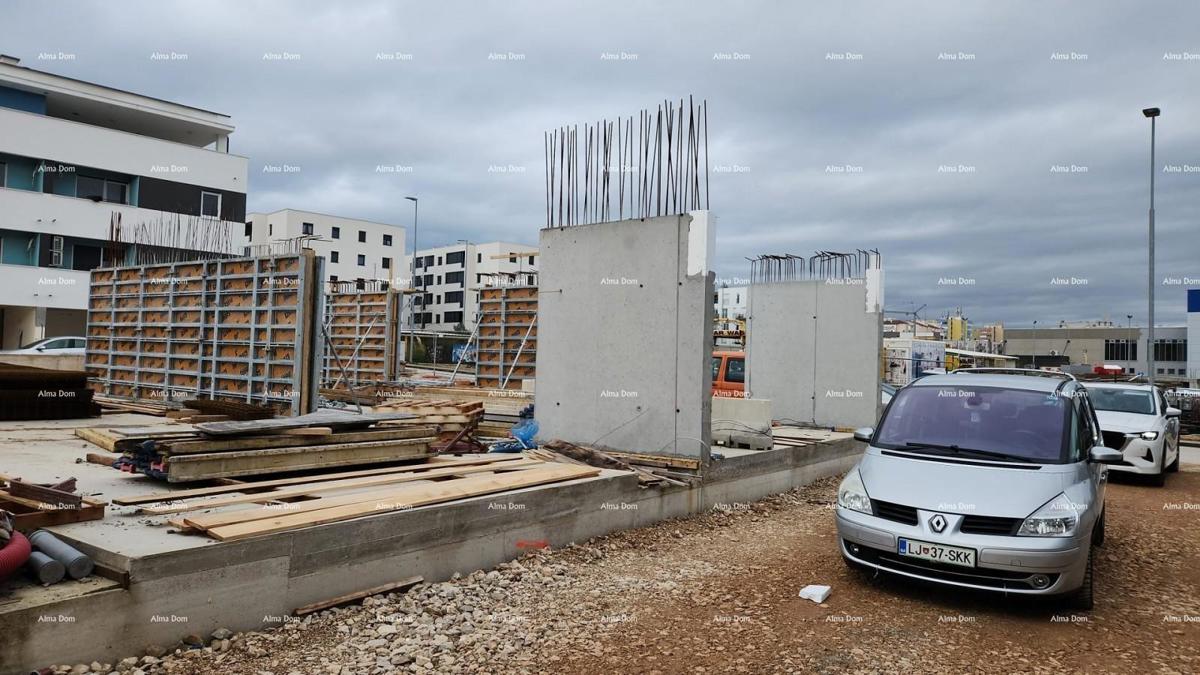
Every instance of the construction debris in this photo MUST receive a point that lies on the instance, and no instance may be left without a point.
(28, 393)
(35, 505)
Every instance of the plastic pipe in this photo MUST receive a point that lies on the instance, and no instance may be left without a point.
(78, 565)
(45, 569)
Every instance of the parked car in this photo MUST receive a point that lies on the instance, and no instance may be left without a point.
(1136, 421)
(66, 346)
(990, 479)
(729, 374)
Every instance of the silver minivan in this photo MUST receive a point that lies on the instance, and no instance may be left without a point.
(990, 479)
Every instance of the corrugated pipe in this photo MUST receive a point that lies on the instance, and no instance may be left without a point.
(78, 565)
(13, 555)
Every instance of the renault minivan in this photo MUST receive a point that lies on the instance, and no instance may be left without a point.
(988, 479)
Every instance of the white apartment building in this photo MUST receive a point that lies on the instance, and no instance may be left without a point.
(353, 248)
(75, 156)
(451, 277)
(730, 302)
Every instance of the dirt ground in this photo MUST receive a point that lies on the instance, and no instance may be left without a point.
(718, 593)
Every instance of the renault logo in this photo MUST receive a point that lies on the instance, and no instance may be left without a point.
(937, 522)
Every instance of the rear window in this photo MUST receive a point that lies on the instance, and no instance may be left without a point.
(735, 370)
(1122, 400)
(1027, 424)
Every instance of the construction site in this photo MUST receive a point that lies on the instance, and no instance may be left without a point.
(246, 444)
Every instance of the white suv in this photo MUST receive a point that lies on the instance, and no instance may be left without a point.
(1136, 421)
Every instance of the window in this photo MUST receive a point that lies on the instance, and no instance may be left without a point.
(56, 251)
(362, 236)
(362, 260)
(439, 260)
(512, 258)
(429, 261)
(454, 278)
(250, 228)
(438, 301)
(420, 261)
(454, 297)
(1120, 350)
(306, 228)
(437, 318)
(3, 174)
(87, 187)
(333, 278)
(439, 280)
(429, 298)
(530, 260)
(428, 279)
(735, 370)
(716, 366)
(478, 257)
(270, 229)
(333, 256)
(417, 280)
(210, 204)
(454, 317)
(387, 240)
(1170, 350)
(335, 232)
(456, 258)
(360, 284)
(387, 263)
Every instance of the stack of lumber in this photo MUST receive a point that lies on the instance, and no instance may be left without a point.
(232, 512)
(651, 469)
(207, 410)
(144, 406)
(28, 393)
(231, 449)
(501, 407)
(449, 416)
(34, 505)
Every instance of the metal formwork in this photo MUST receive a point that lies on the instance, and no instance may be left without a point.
(362, 335)
(244, 329)
(507, 351)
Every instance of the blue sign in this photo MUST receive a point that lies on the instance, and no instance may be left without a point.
(1194, 299)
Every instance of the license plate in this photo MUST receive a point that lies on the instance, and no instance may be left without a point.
(951, 555)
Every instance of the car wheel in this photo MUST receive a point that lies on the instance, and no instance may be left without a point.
(1098, 533)
(1174, 467)
(1082, 598)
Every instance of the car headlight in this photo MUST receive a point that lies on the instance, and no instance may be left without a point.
(852, 494)
(1057, 518)
(1149, 435)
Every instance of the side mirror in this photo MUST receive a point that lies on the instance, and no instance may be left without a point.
(864, 434)
(1104, 455)
(1174, 412)
(41, 349)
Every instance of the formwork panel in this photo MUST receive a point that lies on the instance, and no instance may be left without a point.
(235, 328)
(506, 353)
(363, 335)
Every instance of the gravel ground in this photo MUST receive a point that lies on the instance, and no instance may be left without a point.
(718, 593)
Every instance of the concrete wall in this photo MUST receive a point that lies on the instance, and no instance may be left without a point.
(813, 350)
(625, 334)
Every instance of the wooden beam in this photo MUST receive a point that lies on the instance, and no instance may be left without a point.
(97, 437)
(183, 468)
(407, 498)
(203, 445)
(357, 595)
(326, 486)
(437, 462)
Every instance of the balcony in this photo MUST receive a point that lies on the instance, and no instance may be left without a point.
(58, 140)
(28, 286)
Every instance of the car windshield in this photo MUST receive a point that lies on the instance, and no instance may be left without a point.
(35, 343)
(1029, 425)
(1137, 401)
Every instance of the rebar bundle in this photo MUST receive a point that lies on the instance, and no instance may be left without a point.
(171, 237)
(768, 268)
(659, 166)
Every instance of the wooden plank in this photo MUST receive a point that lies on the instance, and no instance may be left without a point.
(309, 431)
(185, 468)
(327, 486)
(59, 498)
(410, 497)
(282, 441)
(321, 418)
(278, 482)
(97, 437)
(101, 459)
(358, 595)
(183, 412)
(656, 460)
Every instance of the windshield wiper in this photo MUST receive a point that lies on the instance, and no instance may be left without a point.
(982, 453)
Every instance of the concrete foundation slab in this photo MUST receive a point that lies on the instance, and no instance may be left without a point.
(625, 334)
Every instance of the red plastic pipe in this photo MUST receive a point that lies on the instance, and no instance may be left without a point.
(14, 554)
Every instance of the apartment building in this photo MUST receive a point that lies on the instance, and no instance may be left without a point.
(353, 248)
(1101, 343)
(77, 156)
(729, 302)
(451, 277)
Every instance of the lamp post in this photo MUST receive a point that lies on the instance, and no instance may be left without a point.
(1153, 114)
(1035, 345)
(412, 283)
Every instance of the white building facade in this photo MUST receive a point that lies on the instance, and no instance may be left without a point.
(353, 248)
(77, 156)
(449, 278)
(730, 302)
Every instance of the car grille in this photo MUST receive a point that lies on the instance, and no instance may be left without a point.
(979, 576)
(990, 525)
(896, 512)
(1114, 439)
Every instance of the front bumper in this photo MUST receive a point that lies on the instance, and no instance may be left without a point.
(1141, 456)
(1004, 563)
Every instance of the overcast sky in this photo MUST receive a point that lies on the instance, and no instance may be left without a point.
(1034, 85)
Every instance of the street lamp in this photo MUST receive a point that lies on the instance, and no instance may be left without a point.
(412, 322)
(1153, 114)
(1035, 345)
